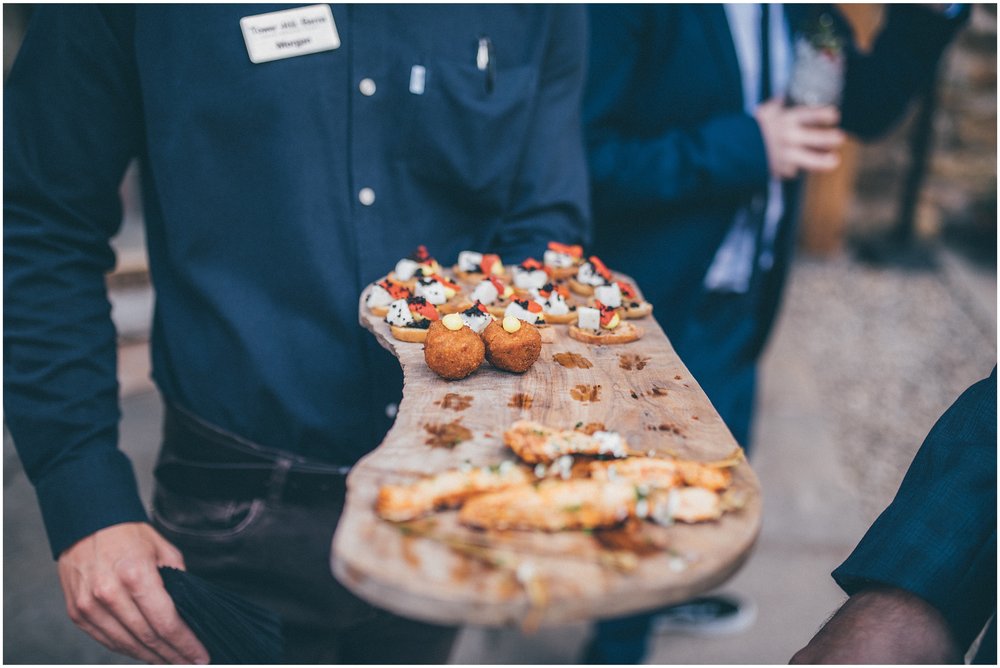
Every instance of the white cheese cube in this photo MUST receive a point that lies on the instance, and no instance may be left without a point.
(520, 313)
(586, 275)
(476, 321)
(609, 295)
(378, 296)
(485, 293)
(558, 260)
(406, 268)
(529, 279)
(432, 291)
(470, 261)
(399, 314)
(588, 318)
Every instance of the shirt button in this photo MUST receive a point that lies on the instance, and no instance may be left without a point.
(366, 196)
(367, 87)
(391, 410)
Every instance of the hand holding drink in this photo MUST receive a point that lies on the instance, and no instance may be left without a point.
(802, 134)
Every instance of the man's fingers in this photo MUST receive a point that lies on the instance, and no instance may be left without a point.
(125, 610)
(96, 634)
(114, 592)
(814, 161)
(804, 115)
(167, 554)
(821, 139)
(97, 620)
(158, 610)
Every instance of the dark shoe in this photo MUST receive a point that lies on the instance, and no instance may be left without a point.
(708, 615)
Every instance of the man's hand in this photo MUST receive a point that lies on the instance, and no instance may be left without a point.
(799, 138)
(114, 593)
(883, 625)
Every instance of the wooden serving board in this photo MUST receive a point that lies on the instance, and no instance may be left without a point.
(438, 571)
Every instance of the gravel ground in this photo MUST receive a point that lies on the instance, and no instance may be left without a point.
(890, 351)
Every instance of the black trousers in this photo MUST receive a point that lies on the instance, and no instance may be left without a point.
(261, 523)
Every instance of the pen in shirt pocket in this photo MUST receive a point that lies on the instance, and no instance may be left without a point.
(486, 61)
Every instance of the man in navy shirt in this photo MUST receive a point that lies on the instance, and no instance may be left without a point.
(280, 176)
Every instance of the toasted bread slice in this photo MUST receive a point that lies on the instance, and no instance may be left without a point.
(567, 319)
(623, 333)
(581, 288)
(456, 305)
(474, 277)
(408, 334)
(634, 312)
(562, 273)
(379, 311)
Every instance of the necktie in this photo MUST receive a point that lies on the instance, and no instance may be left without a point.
(765, 52)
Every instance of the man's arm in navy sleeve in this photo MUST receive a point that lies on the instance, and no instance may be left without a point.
(71, 126)
(879, 86)
(724, 154)
(938, 538)
(922, 582)
(550, 200)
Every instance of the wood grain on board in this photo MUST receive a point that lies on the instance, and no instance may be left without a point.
(439, 571)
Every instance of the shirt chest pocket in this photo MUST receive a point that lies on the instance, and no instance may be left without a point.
(466, 127)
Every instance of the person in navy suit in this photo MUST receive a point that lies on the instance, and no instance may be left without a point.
(694, 155)
(923, 580)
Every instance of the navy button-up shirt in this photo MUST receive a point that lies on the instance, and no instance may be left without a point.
(273, 193)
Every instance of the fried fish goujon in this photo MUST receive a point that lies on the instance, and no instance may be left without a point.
(552, 506)
(400, 503)
(535, 443)
(586, 504)
(663, 473)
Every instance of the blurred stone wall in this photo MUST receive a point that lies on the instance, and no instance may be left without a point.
(958, 201)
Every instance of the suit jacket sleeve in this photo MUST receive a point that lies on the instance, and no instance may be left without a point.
(879, 86)
(938, 537)
(722, 156)
(550, 198)
(70, 129)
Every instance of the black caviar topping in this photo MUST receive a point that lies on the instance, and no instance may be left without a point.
(416, 300)
(634, 304)
(473, 310)
(421, 324)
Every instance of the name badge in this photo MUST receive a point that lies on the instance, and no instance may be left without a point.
(289, 32)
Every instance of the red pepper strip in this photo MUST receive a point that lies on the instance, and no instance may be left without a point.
(572, 251)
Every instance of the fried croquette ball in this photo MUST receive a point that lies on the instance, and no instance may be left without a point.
(452, 354)
(512, 351)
